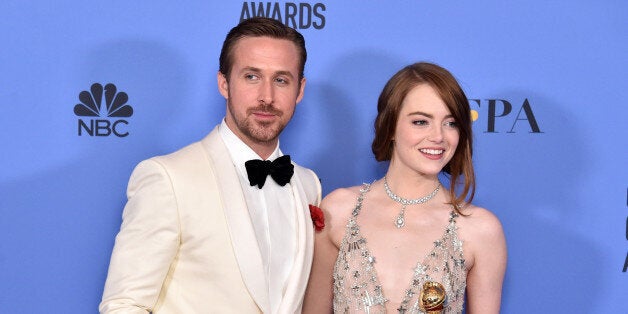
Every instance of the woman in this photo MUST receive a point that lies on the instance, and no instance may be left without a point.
(406, 243)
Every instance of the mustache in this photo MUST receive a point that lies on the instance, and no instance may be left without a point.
(267, 108)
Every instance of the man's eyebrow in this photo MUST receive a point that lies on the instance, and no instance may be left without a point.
(252, 69)
(258, 70)
(286, 73)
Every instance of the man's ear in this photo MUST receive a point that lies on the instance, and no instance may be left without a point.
(301, 90)
(223, 85)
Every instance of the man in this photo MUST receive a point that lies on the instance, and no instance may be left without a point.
(197, 236)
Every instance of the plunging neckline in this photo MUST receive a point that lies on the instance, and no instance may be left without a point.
(357, 287)
(419, 267)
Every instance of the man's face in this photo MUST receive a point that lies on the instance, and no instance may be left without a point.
(262, 90)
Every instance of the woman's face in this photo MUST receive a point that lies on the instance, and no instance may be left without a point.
(426, 135)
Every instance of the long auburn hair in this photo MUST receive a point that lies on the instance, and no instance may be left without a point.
(389, 106)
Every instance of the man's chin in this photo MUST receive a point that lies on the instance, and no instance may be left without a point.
(264, 135)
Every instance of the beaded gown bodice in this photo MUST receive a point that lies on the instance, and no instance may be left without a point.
(358, 290)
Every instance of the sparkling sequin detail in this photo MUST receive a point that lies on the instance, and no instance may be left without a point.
(357, 288)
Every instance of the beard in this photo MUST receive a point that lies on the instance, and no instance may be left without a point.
(256, 131)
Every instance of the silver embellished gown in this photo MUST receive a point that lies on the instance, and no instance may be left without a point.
(357, 288)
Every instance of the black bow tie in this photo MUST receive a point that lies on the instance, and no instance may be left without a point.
(280, 169)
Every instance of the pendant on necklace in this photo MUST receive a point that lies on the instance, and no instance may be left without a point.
(400, 221)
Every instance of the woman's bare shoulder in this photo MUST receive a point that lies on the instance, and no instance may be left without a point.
(484, 243)
(480, 222)
(338, 206)
(341, 196)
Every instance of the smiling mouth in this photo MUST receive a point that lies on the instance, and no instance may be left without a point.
(431, 151)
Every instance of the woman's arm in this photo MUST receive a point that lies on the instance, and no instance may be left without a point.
(319, 293)
(336, 207)
(486, 276)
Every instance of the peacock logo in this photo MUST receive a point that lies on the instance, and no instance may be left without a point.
(92, 105)
(115, 103)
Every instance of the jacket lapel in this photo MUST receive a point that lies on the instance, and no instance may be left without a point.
(297, 281)
(241, 230)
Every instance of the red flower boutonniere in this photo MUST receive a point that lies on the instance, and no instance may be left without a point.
(317, 217)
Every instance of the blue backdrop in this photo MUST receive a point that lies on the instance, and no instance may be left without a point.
(546, 79)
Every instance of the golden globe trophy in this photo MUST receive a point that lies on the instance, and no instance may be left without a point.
(432, 297)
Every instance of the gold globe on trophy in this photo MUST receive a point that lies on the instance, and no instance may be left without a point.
(432, 297)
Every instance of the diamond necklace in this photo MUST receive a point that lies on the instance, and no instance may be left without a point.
(400, 220)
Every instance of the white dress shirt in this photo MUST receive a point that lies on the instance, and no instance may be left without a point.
(272, 211)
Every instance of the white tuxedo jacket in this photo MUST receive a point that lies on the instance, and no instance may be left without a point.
(187, 244)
